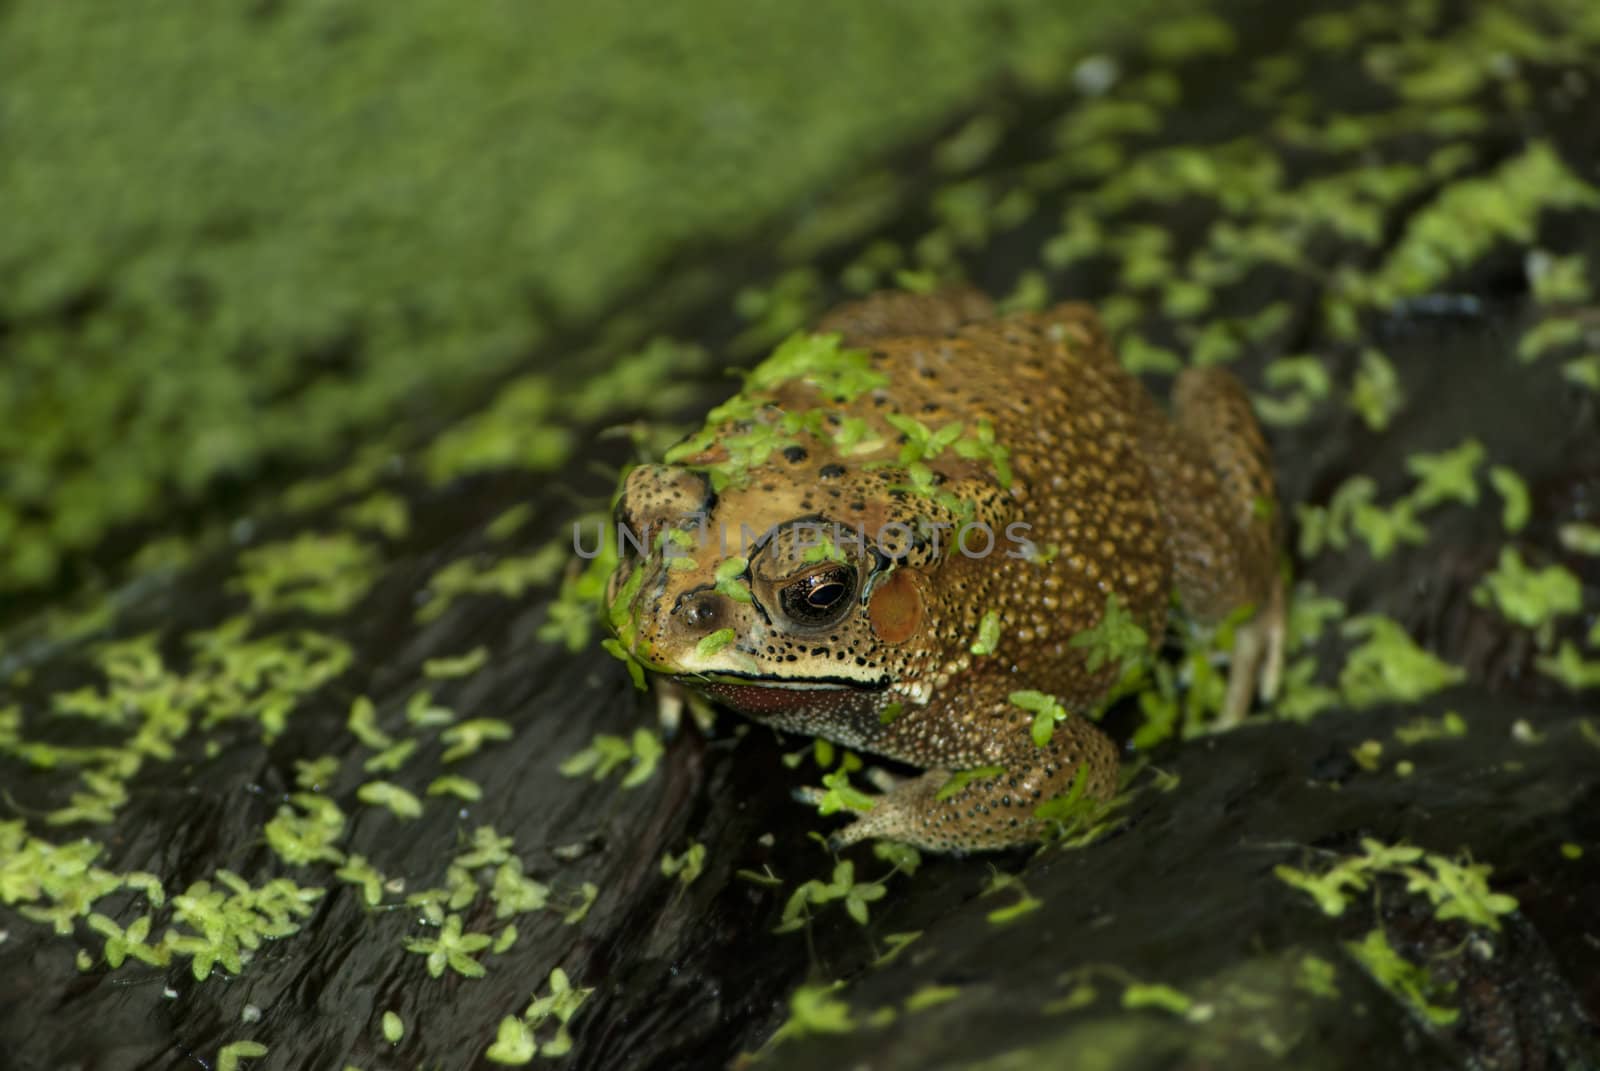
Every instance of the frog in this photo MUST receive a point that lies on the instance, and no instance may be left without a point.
(897, 528)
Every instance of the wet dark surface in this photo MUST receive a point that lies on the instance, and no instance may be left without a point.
(1181, 894)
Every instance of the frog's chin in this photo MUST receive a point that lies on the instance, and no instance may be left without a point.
(766, 698)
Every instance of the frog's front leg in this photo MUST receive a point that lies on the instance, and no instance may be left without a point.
(672, 698)
(1006, 778)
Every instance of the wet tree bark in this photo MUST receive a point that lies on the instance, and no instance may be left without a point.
(1171, 941)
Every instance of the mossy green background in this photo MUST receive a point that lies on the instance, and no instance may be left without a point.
(245, 233)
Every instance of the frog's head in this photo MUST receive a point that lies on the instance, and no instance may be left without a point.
(755, 598)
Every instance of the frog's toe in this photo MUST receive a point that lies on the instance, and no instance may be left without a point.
(882, 779)
(808, 794)
(1256, 666)
(1276, 623)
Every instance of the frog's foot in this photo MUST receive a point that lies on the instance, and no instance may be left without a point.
(988, 808)
(1256, 667)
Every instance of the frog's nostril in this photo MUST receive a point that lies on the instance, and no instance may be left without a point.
(702, 610)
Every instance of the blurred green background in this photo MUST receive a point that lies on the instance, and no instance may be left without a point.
(239, 234)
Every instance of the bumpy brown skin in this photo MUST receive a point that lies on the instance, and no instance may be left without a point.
(1132, 502)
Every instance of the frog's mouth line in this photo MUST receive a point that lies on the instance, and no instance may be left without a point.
(817, 684)
(791, 702)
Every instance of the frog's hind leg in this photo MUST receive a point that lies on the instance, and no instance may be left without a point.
(1213, 476)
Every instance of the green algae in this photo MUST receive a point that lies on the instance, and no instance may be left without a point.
(1184, 37)
(305, 242)
(812, 1010)
(398, 801)
(385, 513)
(988, 639)
(515, 432)
(1469, 217)
(1165, 998)
(458, 666)
(1558, 280)
(1455, 889)
(1580, 538)
(839, 795)
(1584, 371)
(1047, 713)
(1388, 666)
(452, 949)
(232, 1054)
(1551, 334)
(607, 753)
(1417, 730)
(960, 779)
(1531, 598)
(1413, 983)
(1442, 477)
(686, 867)
(1307, 382)
(1024, 904)
(1376, 392)
(1513, 491)
(515, 1042)
(317, 573)
(1447, 476)
(507, 577)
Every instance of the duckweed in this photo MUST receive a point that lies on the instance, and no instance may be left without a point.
(232, 1054)
(1164, 997)
(506, 577)
(320, 574)
(1024, 904)
(1388, 666)
(686, 867)
(515, 1043)
(1412, 983)
(1469, 216)
(1569, 667)
(642, 753)
(396, 800)
(1532, 598)
(812, 1010)
(960, 779)
(1513, 492)
(1376, 394)
(452, 949)
(988, 635)
(1449, 476)
(843, 888)
(1047, 713)
(458, 666)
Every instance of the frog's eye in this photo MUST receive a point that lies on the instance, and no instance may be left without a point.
(819, 598)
